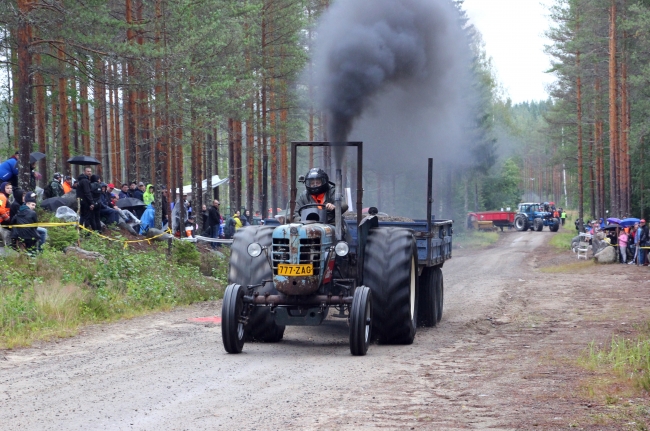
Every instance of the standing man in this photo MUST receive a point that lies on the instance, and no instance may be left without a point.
(214, 220)
(87, 204)
(562, 215)
(5, 211)
(644, 236)
(9, 170)
(132, 189)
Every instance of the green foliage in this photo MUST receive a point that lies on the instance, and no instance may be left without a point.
(53, 293)
(503, 191)
(185, 253)
(562, 240)
(58, 237)
(627, 358)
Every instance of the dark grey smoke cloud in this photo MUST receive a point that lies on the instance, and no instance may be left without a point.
(396, 74)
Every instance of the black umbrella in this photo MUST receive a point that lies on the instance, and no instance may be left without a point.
(127, 203)
(52, 204)
(35, 157)
(83, 160)
(611, 227)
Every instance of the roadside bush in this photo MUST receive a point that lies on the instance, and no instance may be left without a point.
(185, 253)
(53, 293)
(58, 237)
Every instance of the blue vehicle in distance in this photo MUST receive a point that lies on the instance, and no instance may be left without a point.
(533, 216)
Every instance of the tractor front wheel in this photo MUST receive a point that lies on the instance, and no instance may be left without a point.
(232, 321)
(538, 224)
(360, 321)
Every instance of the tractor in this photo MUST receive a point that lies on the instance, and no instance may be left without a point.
(534, 217)
(383, 278)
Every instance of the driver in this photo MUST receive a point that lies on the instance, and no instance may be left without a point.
(318, 191)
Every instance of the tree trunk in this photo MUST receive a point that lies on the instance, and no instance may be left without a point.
(580, 161)
(98, 102)
(250, 159)
(25, 98)
(613, 115)
(75, 124)
(39, 82)
(85, 115)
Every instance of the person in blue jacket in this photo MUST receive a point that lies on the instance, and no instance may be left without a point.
(9, 170)
(147, 219)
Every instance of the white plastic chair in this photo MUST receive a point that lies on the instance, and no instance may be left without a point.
(583, 249)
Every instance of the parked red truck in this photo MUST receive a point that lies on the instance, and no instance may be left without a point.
(499, 219)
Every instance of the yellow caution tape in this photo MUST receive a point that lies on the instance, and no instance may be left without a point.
(126, 242)
(73, 223)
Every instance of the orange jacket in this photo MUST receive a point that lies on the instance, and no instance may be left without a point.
(66, 188)
(4, 208)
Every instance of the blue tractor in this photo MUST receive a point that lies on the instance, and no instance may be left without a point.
(534, 216)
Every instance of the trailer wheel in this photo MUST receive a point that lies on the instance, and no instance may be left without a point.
(428, 300)
(390, 270)
(521, 223)
(538, 224)
(246, 270)
(440, 293)
(232, 325)
(361, 321)
(555, 226)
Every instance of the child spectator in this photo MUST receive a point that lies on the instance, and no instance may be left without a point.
(622, 245)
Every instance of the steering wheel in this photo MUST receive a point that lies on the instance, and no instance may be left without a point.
(309, 206)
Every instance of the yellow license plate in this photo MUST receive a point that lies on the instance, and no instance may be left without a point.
(304, 270)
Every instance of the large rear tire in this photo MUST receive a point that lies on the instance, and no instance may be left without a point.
(390, 270)
(440, 293)
(428, 300)
(361, 321)
(232, 326)
(521, 223)
(246, 270)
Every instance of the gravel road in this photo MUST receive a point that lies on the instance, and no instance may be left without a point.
(163, 372)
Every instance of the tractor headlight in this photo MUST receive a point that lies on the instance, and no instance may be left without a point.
(254, 249)
(342, 249)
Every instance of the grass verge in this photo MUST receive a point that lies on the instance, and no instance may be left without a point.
(53, 294)
(581, 265)
(562, 240)
(474, 239)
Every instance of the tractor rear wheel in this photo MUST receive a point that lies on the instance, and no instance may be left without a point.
(440, 293)
(246, 270)
(361, 321)
(232, 326)
(390, 270)
(538, 224)
(428, 300)
(521, 223)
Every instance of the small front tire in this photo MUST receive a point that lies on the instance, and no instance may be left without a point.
(360, 321)
(232, 324)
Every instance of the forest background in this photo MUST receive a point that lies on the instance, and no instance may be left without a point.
(172, 92)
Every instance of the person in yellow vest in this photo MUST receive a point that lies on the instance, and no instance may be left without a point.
(238, 222)
(562, 216)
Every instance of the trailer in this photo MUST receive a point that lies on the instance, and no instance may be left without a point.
(499, 219)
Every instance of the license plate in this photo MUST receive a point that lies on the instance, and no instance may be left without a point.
(303, 270)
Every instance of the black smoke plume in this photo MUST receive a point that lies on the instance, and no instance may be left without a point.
(394, 73)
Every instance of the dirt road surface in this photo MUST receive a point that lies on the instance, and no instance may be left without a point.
(502, 358)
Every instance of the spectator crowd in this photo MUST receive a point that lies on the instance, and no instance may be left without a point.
(101, 205)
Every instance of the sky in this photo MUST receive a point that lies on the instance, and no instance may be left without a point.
(513, 32)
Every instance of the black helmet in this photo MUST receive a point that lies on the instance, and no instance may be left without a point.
(317, 181)
(57, 176)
